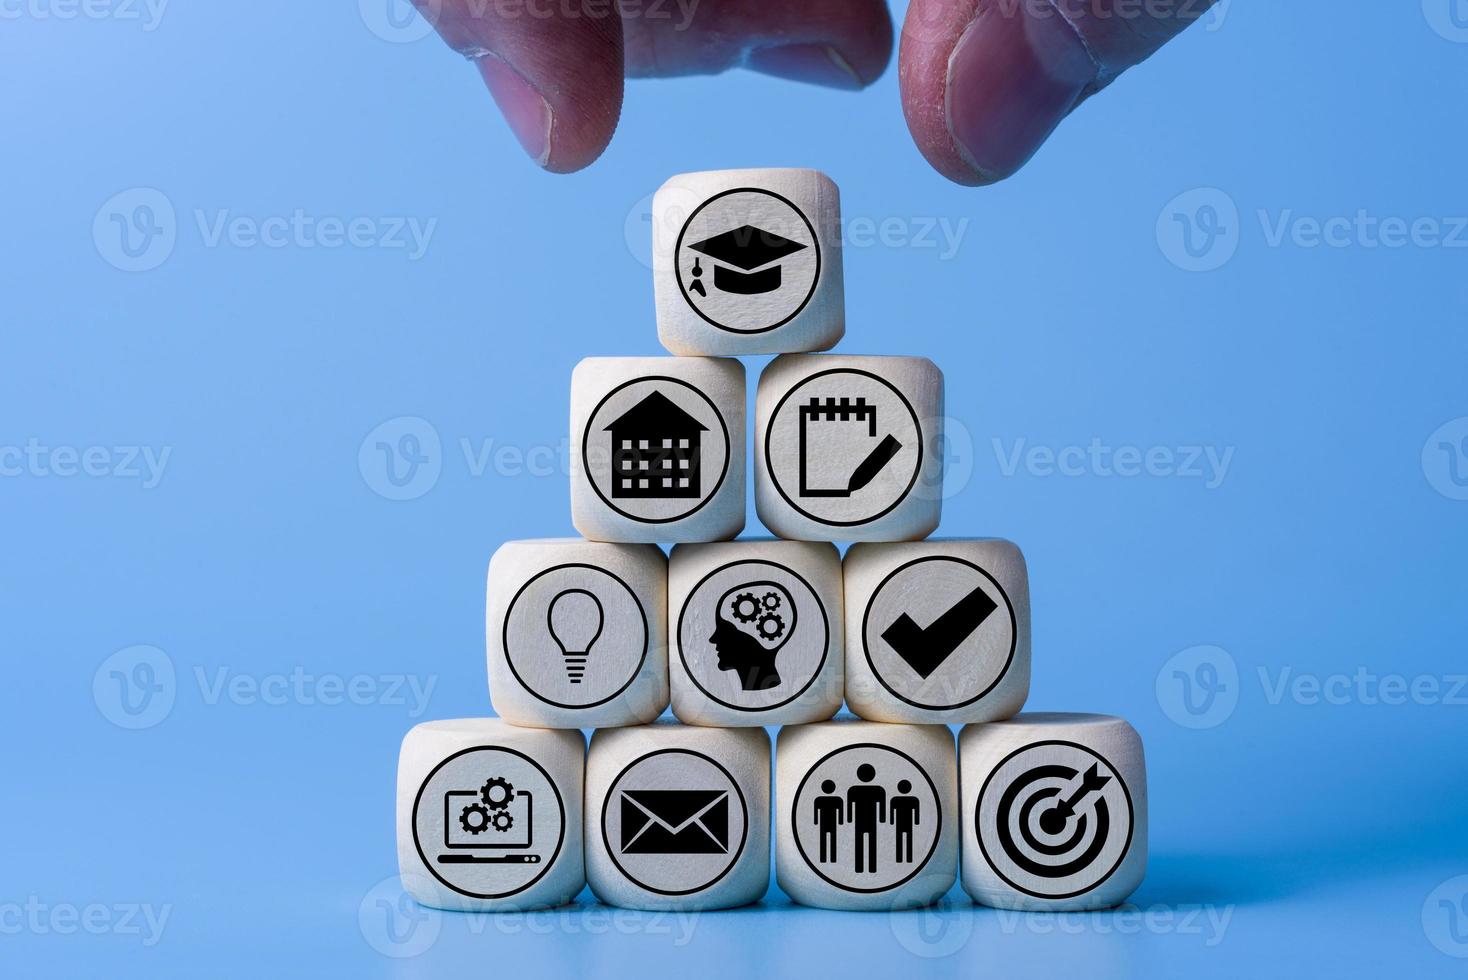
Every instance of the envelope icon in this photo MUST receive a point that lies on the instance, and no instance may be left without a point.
(675, 821)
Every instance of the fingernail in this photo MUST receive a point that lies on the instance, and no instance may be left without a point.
(817, 64)
(527, 112)
(1011, 79)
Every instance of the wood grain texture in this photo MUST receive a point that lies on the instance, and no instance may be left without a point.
(441, 769)
(576, 633)
(660, 799)
(938, 632)
(1088, 772)
(849, 448)
(623, 410)
(755, 632)
(806, 311)
(817, 767)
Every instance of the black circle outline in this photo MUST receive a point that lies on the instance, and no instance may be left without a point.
(549, 862)
(916, 470)
(586, 446)
(1131, 817)
(825, 627)
(795, 817)
(743, 807)
(678, 267)
(1013, 639)
(505, 636)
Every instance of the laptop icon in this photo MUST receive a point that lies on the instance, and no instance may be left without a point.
(489, 825)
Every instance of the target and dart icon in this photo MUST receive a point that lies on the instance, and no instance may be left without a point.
(1054, 820)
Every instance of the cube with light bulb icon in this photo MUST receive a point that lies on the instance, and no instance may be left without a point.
(577, 633)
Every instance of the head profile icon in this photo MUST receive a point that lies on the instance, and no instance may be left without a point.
(755, 620)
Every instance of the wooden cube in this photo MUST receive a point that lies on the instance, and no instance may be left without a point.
(849, 448)
(657, 448)
(678, 817)
(866, 815)
(577, 633)
(937, 631)
(1055, 811)
(489, 815)
(756, 632)
(748, 262)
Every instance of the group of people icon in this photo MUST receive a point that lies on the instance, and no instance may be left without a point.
(866, 808)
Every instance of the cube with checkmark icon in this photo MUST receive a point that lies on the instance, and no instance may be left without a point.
(937, 631)
(678, 817)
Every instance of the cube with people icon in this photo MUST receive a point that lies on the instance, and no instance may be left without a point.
(748, 262)
(489, 815)
(576, 633)
(755, 632)
(657, 448)
(678, 817)
(866, 816)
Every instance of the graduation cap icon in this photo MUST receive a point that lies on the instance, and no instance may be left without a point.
(746, 259)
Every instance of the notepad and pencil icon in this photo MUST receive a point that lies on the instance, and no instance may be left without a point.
(829, 416)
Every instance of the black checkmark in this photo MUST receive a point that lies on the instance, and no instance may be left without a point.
(925, 649)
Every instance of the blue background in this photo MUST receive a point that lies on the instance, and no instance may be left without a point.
(1333, 543)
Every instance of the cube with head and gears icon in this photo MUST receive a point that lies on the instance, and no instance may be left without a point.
(756, 632)
(489, 815)
(748, 262)
(678, 817)
(657, 448)
(849, 448)
(1055, 811)
(866, 815)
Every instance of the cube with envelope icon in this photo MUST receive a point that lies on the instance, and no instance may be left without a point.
(679, 816)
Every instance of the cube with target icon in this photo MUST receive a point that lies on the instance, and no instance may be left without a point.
(489, 815)
(748, 262)
(756, 632)
(1055, 811)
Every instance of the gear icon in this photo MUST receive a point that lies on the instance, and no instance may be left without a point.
(771, 601)
(746, 607)
(497, 792)
(502, 820)
(474, 818)
(771, 626)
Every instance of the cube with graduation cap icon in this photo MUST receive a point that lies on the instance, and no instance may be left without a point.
(748, 262)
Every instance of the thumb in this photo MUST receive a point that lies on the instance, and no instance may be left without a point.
(985, 82)
(555, 70)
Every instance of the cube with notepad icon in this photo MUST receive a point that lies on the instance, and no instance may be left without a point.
(849, 448)
(678, 817)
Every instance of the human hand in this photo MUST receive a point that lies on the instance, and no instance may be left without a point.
(983, 82)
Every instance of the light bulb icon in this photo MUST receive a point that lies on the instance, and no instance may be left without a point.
(575, 619)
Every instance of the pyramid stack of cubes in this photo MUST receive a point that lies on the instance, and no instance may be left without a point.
(875, 809)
